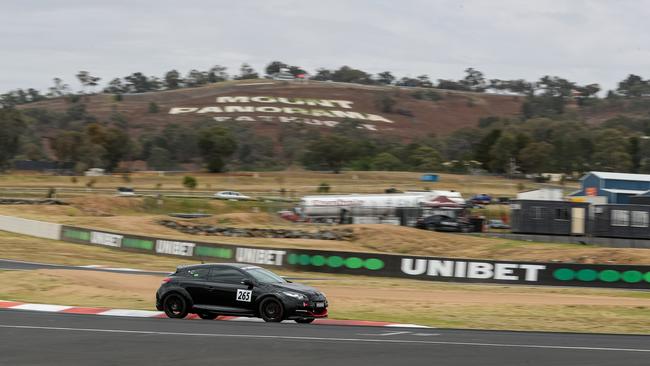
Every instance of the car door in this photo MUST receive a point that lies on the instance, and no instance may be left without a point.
(226, 288)
(195, 282)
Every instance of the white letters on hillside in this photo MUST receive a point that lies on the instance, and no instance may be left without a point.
(297, 108)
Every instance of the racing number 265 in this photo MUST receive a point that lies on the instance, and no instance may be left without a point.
(244, 295)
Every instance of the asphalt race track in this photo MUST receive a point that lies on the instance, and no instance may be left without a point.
(33, 338)
(9, 264)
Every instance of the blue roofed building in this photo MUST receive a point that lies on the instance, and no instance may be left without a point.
(616, 187)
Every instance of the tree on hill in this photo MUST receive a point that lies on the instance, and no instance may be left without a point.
(346, 74)
(12, 126)
(482, 149)
(215, 145)
(217, 73)
(634, 86)
(173, 80)
(501, 153)
(59, 88)
(386, 161)
(87, 80)
(323, 74)
(451, 85)
(116, 86)
(66, 145)
(515, 86)
(138, 83)
(331, 151)
(274, 67)
(535, 157)
(385, 78)
(196, 78)
(246, 72)
(474, 80)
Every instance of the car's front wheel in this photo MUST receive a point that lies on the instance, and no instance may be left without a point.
(207, 316)
(304, 320)
(271, 310)
(175, 306)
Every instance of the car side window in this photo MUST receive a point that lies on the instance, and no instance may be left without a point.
(225, 274)
(196, 273)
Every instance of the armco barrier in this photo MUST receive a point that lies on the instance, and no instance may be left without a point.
(39, 229)
(378, 264)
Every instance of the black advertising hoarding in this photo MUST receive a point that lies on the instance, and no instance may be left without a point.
(378, 264)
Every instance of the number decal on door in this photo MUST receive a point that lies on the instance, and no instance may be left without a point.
(244, 295)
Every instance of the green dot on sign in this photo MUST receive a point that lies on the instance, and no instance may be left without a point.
(609, 275)
(646, 277)
(374, 264)
(587, 275)
(292, 259)
(335, 261)
(564, 274)
(354, 262)
(318, 260)
(632, 276)
(304, 259)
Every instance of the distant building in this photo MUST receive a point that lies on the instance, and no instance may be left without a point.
(94, 172)
(544, 194)
(616, 187)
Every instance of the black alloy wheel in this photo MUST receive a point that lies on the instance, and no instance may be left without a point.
(271, 310)
(175, 306)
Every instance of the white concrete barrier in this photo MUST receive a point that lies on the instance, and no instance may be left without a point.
(39, 229)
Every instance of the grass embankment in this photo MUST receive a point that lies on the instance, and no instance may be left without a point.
(351, 297)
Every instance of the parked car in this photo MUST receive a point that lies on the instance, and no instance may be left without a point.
(481, 199)
(231, 195)
(444, 223)
(125, 192)
(236, 289)
(498, 224)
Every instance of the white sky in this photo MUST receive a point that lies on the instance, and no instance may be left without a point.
(585, 41)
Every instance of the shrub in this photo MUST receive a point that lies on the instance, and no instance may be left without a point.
(189, 182)
(324, 188)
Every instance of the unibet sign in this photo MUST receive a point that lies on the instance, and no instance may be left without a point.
(472, 270)
(288, 110)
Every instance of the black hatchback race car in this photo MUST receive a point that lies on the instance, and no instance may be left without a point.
(210, 290)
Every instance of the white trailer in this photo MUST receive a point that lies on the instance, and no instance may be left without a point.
(367, 204)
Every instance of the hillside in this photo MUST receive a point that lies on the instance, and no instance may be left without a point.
(318, 104)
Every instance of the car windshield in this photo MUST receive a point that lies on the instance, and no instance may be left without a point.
(264, 276)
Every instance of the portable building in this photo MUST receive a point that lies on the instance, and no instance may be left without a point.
(622, 221)
(549, 217)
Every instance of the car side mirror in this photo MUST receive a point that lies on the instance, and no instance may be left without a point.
(248, 282)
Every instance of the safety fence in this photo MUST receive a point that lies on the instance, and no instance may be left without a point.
(377, 264)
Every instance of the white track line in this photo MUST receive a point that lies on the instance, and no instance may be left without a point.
(42, 307)
(326, 339)
(133, 313)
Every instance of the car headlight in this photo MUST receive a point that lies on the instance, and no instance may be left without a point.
(295, 295)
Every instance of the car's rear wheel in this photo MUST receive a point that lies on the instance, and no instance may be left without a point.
(207, 316)
(271, 310)
(175, 306)
(304, 320)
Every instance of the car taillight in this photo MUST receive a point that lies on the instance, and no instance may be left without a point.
(166, 280)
